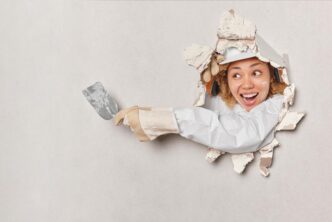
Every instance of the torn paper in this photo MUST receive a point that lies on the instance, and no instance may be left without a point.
(290, 121)
(234, 27)
(267, 54)
(240, 161)
(289, 94)
(198, 56)
(213, 154)
(283, 74)
(201, 92)
(207, 75)
(242, 45)
(235, 32)
(266, 157)
(234, 129)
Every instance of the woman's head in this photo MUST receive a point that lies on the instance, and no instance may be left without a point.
(248, 82)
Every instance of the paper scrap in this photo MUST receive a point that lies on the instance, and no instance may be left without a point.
(214, 67)
(284, 74)
(201, 92)
(266, 157)
(289, 122)
(213, 154)
(206, 75)
(234, 27)
(289, 94)
(242, 45)
(198, 56)
(240, 161)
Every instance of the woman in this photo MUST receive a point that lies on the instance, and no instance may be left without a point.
(248, 82)
(244, 78)
(244, 91)
(243, 119)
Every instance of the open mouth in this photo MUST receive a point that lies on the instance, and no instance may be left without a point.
(249, 97)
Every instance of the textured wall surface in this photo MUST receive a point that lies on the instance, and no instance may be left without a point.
(59, 161)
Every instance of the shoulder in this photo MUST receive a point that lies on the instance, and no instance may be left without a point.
(272, 105)
(216, 104)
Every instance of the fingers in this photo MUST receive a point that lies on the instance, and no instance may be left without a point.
(118, 118)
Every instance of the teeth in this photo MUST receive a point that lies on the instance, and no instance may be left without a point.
(249, 95)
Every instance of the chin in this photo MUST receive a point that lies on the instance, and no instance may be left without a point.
(249, 107)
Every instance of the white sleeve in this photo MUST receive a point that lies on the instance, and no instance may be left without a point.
(233, 132)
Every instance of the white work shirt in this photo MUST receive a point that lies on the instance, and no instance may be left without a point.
(230, 130)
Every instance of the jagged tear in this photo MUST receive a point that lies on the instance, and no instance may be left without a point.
(237, 32)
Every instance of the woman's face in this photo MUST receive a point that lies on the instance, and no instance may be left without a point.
(249, 82)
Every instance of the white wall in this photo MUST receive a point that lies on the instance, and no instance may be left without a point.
(59, 161)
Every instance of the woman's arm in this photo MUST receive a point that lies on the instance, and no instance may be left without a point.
(234, 132)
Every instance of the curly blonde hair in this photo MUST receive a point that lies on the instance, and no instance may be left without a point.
(225, 93)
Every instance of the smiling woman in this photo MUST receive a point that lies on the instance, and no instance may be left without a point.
(244, 94)
(249, 82)
(246, 114)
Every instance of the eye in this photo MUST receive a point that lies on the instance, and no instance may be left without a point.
(236, 76)
(257, 73)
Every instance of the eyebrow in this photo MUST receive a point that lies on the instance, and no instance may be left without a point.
(252, 65)
(235, 68)
(255, 64)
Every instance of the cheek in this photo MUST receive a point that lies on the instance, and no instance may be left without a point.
(265, 83)
(263, 86)
(233, 86)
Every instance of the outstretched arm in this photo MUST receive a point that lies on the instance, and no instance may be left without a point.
(234, 132)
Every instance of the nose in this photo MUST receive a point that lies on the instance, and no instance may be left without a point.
(247, 82)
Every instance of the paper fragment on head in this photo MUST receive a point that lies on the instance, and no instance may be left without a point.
(198, 56)
(235, 31)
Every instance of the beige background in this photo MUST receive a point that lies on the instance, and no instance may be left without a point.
(59, 161)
